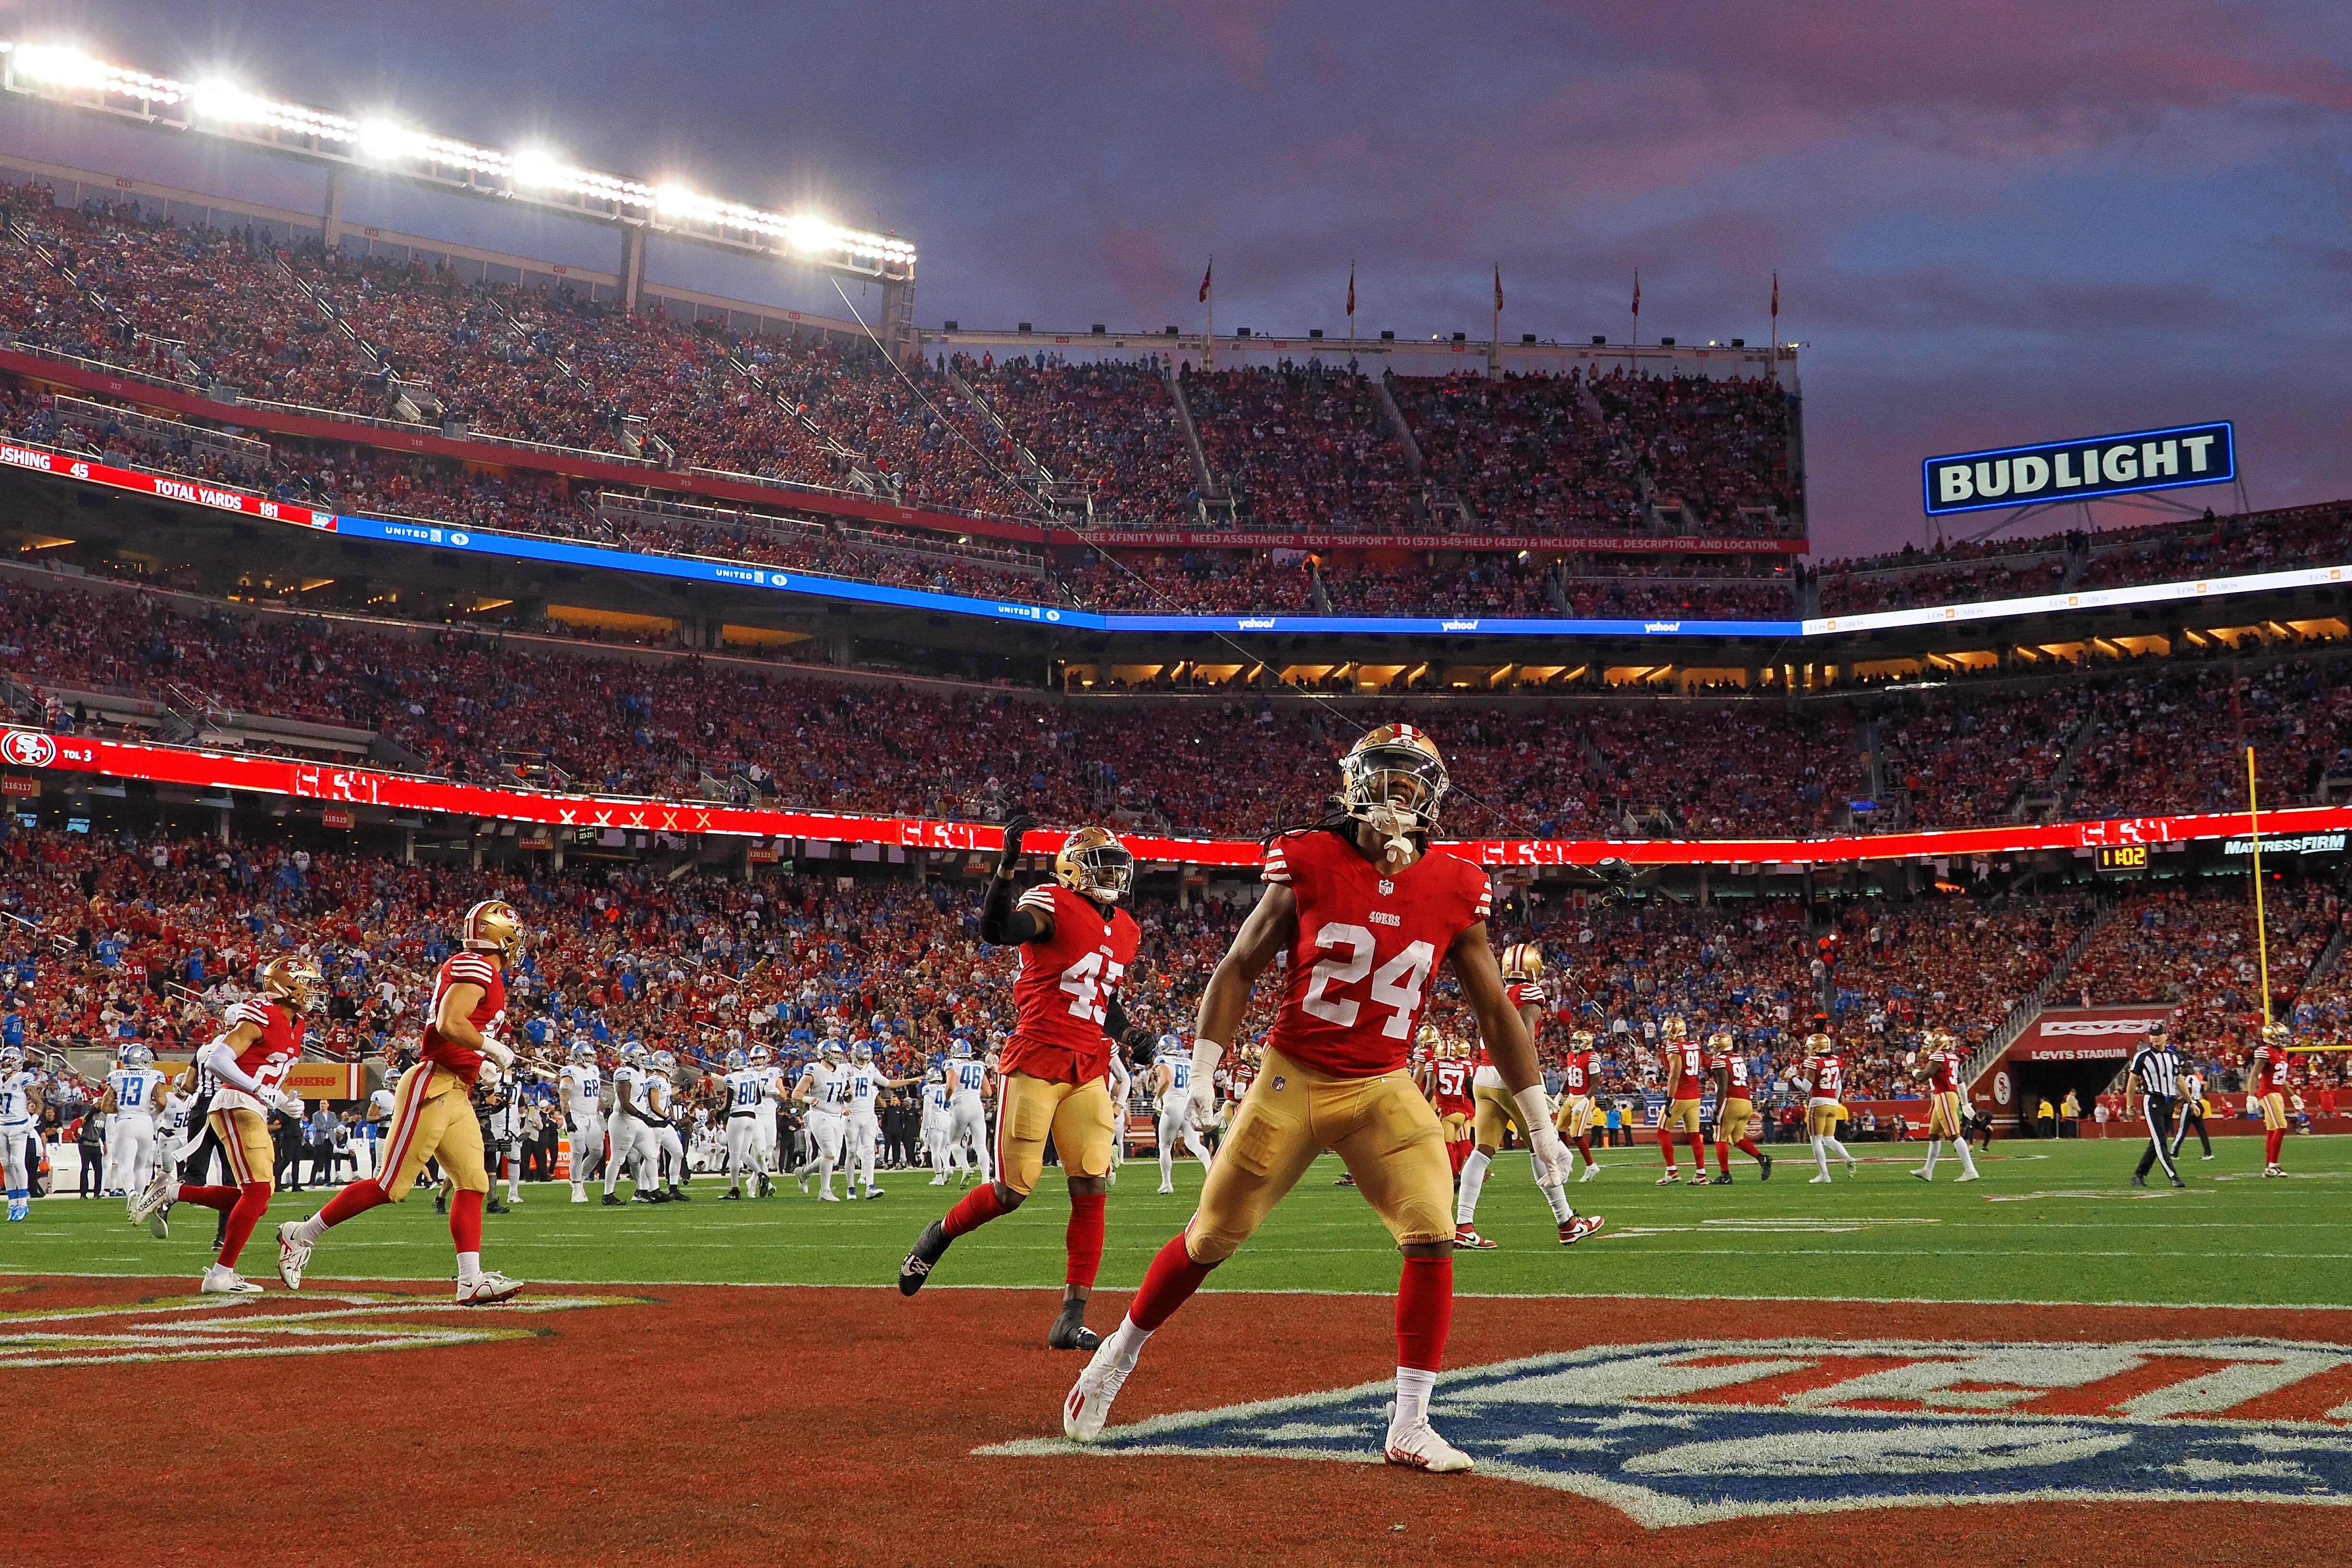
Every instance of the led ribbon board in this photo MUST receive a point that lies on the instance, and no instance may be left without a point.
(2126, 464)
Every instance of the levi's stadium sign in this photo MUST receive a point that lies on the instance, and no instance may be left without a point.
(2088, 1034)
(2083, 469)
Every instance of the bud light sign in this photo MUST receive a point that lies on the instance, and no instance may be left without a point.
(2081, 471)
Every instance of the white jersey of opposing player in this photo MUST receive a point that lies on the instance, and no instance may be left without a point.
(659, 1091)
(177, 1106)
(134, 1091)
(745, 1090)
(587, 1083)
(937, 1099)
(772, 1083)
(828, 1089)
(506, 1121)
(17, 1100)
(633, 1080)
(865, 1084)
(966, 1078)
(381, 1100)
(1177, 1099)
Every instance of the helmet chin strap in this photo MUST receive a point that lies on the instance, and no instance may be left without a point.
(1395, 823)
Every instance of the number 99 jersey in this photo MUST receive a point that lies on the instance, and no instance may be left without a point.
(1063, 993)
(1367, 945)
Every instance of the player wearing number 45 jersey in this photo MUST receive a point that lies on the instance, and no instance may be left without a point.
(1366, 911)
(1054, 1079)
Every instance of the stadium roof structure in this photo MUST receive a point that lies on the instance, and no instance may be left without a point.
(63, 74)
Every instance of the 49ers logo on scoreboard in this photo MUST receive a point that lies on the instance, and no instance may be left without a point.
(1700, 1430)
(28, 749)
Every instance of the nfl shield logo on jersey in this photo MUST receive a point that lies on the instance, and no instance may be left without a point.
(1700, 1430)
(1387, 886)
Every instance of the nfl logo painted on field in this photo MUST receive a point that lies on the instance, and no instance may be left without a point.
(1695, 1431)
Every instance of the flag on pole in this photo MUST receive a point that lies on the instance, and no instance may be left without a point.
(1637, 290)
(1351, 290)
(1498, 287)
(1204, 279)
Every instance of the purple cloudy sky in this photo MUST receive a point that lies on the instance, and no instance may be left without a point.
(1994, 220)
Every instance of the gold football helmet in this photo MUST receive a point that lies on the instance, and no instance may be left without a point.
(2274, 1034)
(1721, 1041)
(1094, 864)
(1581, 1039)
(294, 982)
(1393, 772)
(1819, 1045)
(492, 926)
(1522, 960)
(1675, 1029)
(1430, 1040)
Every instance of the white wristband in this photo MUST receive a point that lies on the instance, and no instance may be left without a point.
(1534, 1107)
(1206, 1055)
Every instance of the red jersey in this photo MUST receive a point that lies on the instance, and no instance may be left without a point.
(1943, 1072)
(1828, 1075)
(1453, 1087)
(1734, 1067)
(272, 1055)
(1689, 1053)
(1576, 1075)
(464, 969)
(1366, 943)
(1238, 1081)
(2269, 1067)
(1064, 988)
(1525, 994)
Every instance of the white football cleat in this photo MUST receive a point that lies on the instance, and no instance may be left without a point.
(939, 1181)
(155, 1196)
(1923, 1175)
(1576, 1228)
(579, 1195)
(1817, 1181)
(1467, 1240)
(293, 1254)
(220, 1281)
(1088, 1404)
(1419, 1448)
(1167, 1192)
(1590, 1172)
(489, 1291)
(1968, 1176)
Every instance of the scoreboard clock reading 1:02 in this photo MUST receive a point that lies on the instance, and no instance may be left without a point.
(2123, 857)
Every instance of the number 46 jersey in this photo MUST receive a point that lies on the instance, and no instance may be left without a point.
(1369, 942)
(1063, 993)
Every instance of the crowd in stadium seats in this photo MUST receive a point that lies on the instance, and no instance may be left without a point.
(1303, 449)
(1111, 429)
(2196, 946)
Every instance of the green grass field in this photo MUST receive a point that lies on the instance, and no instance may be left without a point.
(2050, 1222)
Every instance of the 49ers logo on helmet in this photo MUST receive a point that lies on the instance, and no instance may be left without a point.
(28, 749)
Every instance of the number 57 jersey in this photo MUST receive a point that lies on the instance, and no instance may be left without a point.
(1064, 990)
(1369, 942)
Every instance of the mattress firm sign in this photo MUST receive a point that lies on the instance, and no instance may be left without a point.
(2081, 471)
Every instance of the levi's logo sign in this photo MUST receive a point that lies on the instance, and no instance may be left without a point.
(1700, 1430)
(2054, 1028)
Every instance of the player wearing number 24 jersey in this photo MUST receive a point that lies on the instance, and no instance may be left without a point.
(1366, 911)
(1053, 1078)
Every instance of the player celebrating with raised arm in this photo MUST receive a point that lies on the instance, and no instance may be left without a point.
(432, 1115)
(1497, 1108)
(1366, 911)
(251, 1061)
(1941, 1065)
(1075, 943)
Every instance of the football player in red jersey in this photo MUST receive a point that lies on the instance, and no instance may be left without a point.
(1735, 1108)
(1523, 991)
(1573, 1119)
(1448, 1088)
(1366, 911)
(1941, 1065)
(433, 1113)
(2266, 1071)
(251, 1059)
(1686, 1082)
(1075, 944)
(1825, 1072)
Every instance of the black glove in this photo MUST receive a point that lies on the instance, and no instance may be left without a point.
(1140, 1043)
(1016, 827)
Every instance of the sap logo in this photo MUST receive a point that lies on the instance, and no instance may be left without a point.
(1257, 623)
(1662, 625)
(1701, 1430)
(1458, 625)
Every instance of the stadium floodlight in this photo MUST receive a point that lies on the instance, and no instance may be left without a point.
(221, 107)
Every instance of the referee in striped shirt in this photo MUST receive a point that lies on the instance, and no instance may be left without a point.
(2154, 1073)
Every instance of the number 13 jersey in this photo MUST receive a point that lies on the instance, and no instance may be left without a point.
(1064, 990)
(1368, 943)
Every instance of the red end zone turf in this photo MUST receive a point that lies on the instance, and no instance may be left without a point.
(725, 1425)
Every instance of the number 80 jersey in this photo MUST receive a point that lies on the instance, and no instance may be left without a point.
(1368, 943)
(1063, 993)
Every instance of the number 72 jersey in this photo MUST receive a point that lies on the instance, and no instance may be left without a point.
(1368, 943)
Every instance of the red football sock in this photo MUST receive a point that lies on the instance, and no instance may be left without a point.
(1747, 1147)
(1456, 1153)
(355, 1199)
(976, 1209)
(1698, 1153)
(1584, 1147)
(1667, 1143)
(465, 1220)
(1084, 1239)
(1722, 1157)
(1424, 1312)
(252, 1203)
(1167, 1284)
(221, 1198)
(2271, 1142)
